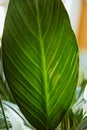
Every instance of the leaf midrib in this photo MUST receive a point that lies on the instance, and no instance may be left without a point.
(43, 60)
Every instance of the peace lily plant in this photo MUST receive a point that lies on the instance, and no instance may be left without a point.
(40, 60)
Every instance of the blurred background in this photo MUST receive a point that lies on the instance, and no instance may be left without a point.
(77, 10)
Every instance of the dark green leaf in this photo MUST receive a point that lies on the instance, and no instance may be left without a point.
(40, 59)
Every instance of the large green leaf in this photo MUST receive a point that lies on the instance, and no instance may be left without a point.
(40, 60)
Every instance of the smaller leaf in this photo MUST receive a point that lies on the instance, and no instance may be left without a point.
(69, 122)
(83, 125)
(4, 123)
(4, 90)
(14, 108)
(78, 107)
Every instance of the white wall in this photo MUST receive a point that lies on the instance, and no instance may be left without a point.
(3, 2)
(74, 9)
(2, 16)
(3, 7)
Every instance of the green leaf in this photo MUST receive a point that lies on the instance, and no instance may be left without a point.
(40, 60)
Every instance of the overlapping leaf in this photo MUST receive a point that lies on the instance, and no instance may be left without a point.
(69, 122)
(40, 59)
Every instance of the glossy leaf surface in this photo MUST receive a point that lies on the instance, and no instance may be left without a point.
(40, 60)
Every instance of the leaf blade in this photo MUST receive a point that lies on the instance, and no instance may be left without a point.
(45, 68)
